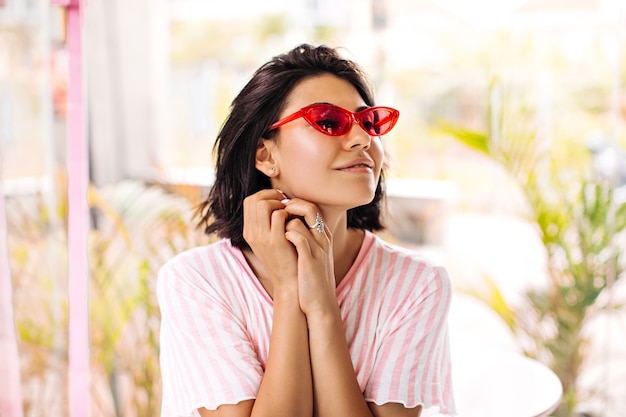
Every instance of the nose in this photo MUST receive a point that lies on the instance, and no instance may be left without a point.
(357, 137)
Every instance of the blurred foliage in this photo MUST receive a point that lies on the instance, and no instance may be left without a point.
(581, 221)
(136, 228)
(203, 40)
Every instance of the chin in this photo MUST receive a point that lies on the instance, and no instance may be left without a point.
(363, 201)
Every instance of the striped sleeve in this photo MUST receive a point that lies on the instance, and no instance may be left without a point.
(412, 364)
(207, 358)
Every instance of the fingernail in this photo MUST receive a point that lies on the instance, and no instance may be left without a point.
(283, 194)
(284, 200)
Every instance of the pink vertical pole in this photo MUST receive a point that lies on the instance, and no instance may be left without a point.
(78, 218)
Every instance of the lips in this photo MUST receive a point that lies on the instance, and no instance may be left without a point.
(357, 163)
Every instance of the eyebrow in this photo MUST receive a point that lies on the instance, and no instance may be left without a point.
(361, 108)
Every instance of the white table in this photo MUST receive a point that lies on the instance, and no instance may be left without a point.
(499, 383)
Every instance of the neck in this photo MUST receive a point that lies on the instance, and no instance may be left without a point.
(346, 253)
(346, 246)
(346, 243)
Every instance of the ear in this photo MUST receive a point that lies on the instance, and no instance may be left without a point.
(265, 159)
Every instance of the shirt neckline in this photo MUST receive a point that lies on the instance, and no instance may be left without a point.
(368, 240)
(249, 273)
(364, 250)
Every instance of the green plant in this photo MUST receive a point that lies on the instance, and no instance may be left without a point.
(582, 225)
(136, 228)
(38, 262)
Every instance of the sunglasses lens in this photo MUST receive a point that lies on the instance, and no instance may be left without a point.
(378, 121)
(335, 121)
(329, 120)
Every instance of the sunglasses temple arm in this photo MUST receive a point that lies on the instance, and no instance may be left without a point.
(286, 120)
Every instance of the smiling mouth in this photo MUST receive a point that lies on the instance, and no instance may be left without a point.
(357, 166)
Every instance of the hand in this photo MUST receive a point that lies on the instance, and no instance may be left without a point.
(315, 265)
(264, 221)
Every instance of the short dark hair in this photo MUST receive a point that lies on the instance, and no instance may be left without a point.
(254, 109)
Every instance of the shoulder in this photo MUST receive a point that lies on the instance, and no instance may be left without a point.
(400, 255)
(195, 268)
(197, 257)
(405, 267)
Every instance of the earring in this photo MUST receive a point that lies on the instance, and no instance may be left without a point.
(272, 171)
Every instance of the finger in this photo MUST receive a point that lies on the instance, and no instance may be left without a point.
(272, 196)
(278, 225)
(258, 209)
(269, 193)
(299, 239)
(315, 239)
(264, 195)
(319, 226)
(308, 211)
(257, 214)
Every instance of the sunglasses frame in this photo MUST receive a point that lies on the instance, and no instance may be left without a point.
(355, 118)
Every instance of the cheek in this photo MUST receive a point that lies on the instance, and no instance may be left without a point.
(306, 147)
(304, 152)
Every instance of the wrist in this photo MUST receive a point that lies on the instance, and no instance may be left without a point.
(328, 314)
(286, 295)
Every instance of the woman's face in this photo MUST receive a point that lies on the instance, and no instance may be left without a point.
(340, 171)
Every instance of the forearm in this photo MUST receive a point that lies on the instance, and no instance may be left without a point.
(286, 389)
(336, 391)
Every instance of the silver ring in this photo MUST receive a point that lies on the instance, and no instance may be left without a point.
(319, 223)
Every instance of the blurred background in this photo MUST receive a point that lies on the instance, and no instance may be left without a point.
(507, 165)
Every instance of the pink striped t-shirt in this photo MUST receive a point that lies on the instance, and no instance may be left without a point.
(216, 320)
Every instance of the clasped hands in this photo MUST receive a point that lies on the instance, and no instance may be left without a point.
(290, 240)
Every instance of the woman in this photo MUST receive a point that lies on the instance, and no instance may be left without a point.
(300, 310)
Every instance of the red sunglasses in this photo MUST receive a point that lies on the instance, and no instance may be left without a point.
(336, 121)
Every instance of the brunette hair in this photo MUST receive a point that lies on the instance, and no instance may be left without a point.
(254, 109)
